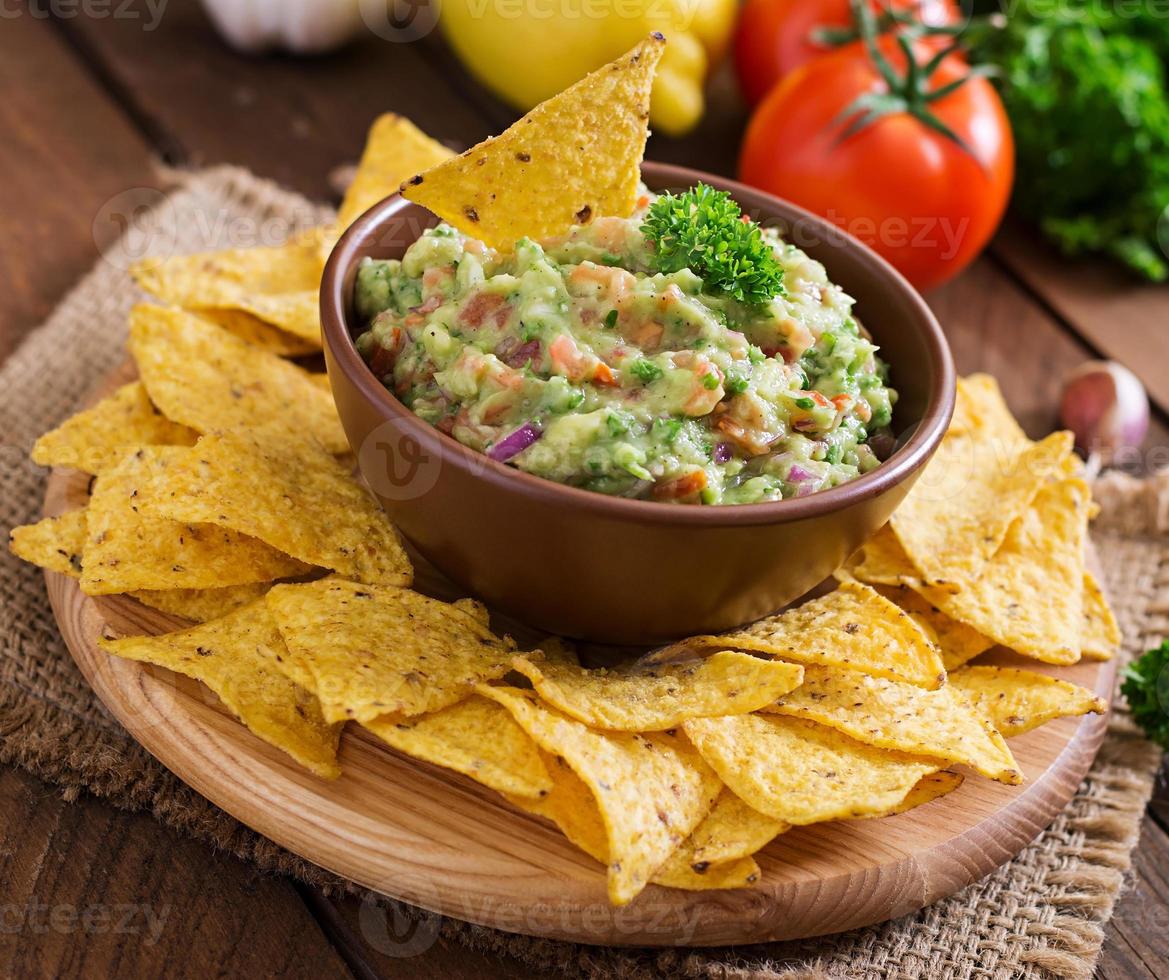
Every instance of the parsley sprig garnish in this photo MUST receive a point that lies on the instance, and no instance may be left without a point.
(703, 230)
(1146, 688)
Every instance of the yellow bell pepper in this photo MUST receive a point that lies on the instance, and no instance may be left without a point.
(528, 50)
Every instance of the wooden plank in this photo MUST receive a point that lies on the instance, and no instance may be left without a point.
(1117, 314)
(295, 119)
(71, 163)
(291, 119)
(90, 891)
(994, 325)
(377, 942)
(1138, 937)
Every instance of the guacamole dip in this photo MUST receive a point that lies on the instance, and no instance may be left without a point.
(579, 359)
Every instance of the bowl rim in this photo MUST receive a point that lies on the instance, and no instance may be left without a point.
(904, 461)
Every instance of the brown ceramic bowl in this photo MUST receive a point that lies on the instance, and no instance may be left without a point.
(610, 569)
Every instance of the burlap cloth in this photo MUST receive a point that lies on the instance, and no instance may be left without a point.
(1041, 915)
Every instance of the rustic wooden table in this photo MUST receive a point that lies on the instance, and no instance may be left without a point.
(92, 100)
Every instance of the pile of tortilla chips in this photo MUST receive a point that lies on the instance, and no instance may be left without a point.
(673, 771)
(989, 546)
(218, 475)
(218, 497)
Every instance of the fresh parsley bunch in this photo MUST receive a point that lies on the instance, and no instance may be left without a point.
(703, 230)
(1146, 688)
(1084, 83)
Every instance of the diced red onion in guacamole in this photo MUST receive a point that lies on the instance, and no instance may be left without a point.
(514, 443)
(800, 477)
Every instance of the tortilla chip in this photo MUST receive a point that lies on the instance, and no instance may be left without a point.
(476, 737)
(279, 285)
(475, 609)
(55, 543)
(957, 514)
(1072, 465)
(652, 789)
(981, 412)
(802, 773)
(731, 831)
(286, 492)
(201, 605)
(394, 150)
(236, 657)
(127, 550)
(927, 789)
(1030, 596)
(260, 334)
(879, 561)
(572, 807)
(100, 436)
(573, 158)
(1016, 701)
(654, 699)
(882, 561)
(1100, 632)
(294, 665)
(558, 649)
(679, 872)
(202, 376)
(957, 642)
(889, 715)
(376, 650)
(853, 627)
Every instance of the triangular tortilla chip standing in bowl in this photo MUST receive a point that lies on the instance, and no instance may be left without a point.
(571, 159)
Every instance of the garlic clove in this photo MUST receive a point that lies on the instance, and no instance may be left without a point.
(299, 26)
(1105, 406)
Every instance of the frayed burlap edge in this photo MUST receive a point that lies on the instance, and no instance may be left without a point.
(1042, 915)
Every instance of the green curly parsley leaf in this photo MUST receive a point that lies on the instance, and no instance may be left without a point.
(1086, 89)
(703, 230)
(1146, 688)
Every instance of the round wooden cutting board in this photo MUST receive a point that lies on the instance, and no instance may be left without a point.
(435, 839)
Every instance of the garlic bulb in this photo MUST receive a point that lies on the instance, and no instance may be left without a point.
(299, 26)
(1105, 405)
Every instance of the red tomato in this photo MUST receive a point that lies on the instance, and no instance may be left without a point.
(914, 195)
(774, 37)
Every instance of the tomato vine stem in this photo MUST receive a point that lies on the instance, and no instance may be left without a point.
(908, 91)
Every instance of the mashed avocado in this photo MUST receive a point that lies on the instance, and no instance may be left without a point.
(575, 359)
